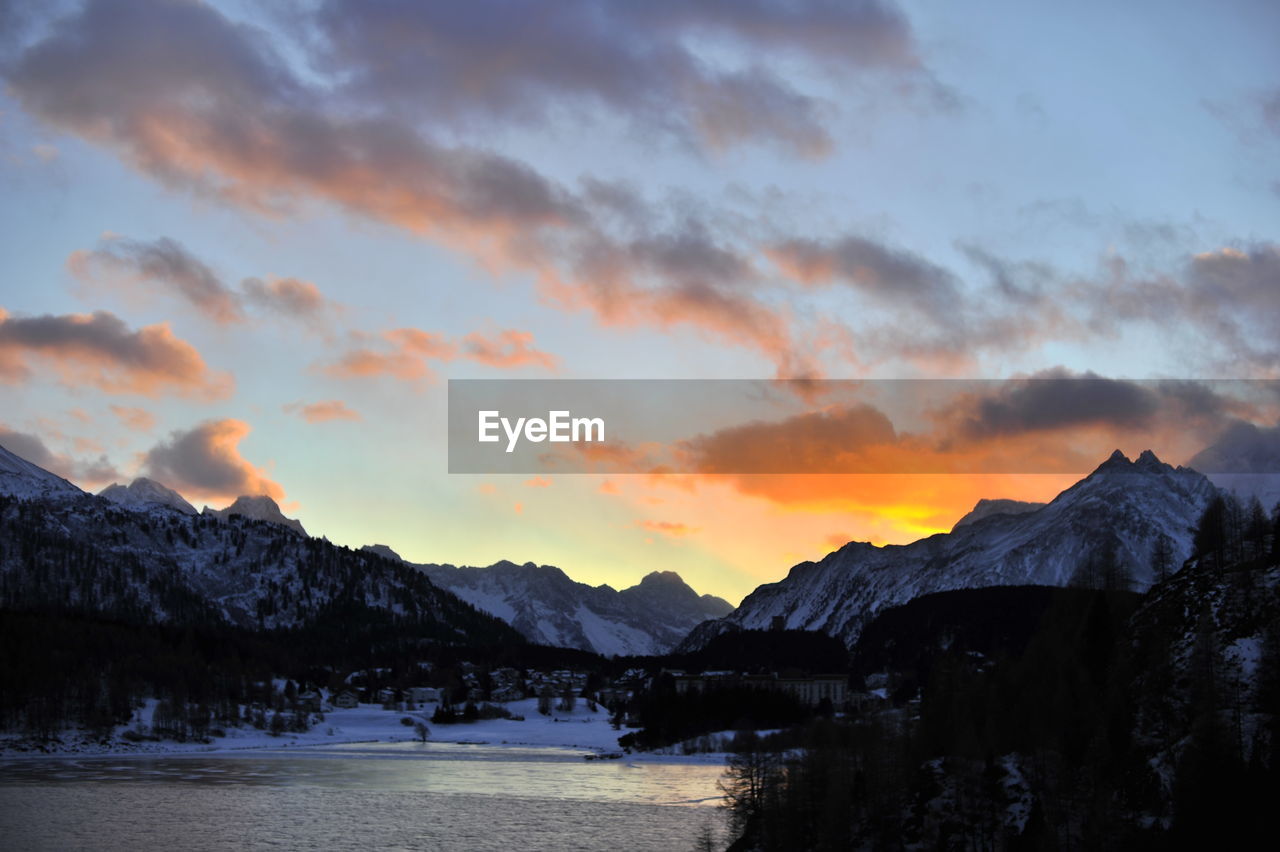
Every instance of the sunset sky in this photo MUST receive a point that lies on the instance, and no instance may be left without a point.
(246, 245)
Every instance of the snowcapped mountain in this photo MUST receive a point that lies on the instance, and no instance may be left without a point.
(549, 608)
(145, 494)
(21, 478)
(1117, 513)
(259, 508)
(985, 508)
(65, 551)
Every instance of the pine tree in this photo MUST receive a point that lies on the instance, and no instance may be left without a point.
(1211, 533)
(1161, 558)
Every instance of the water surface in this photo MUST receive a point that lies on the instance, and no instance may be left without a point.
(366, 796)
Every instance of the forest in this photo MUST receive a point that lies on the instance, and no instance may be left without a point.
(1048, 718)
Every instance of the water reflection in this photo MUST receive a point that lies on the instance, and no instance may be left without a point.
(402, 795)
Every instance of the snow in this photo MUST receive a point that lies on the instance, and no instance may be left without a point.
(1245, 653)
(21, 478)
(582, 729)
(549, 608)
(145, 494)
(258, 508)
(1127, 505)
(494, 603)
(613, 638)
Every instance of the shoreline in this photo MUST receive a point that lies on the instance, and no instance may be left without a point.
(579, 730)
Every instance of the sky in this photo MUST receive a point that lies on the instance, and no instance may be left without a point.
(245, 246)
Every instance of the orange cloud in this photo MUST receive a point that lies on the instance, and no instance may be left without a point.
(510, 348)
(205, 462)
(538, 482)
(137, 419)
(674, 529)
(835, 541)
(405, 353)
(98, 349)
(200, 105)
(322, 412)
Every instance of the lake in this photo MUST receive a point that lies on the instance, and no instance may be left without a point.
(365, 796)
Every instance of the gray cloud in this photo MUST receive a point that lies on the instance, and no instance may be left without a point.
(166, 265)
(90, 473)
(892, 276)
(207, 105)
(289, 297)
(1058, 399)
(205, 462)
(99, 349)
(486, 60)
(160, 264)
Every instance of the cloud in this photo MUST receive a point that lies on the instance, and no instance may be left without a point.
(1220, 304)
(407, 353)
(90, 474)
(480, 63)
(377, 127)
(812, 442)
(289, 297)
(509, 349)
(204, 104)
(205, 462)
(675, 529)
(1057, 399)
(322, 412)
(894, 277)
(137, 419)
(98, 349)
(162, 264)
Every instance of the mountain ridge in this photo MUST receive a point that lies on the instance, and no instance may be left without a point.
(549, 607)
(1116, 513)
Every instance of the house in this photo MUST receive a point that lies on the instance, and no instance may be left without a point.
(423, 694)
(507, 693)
(345, 700)
(814, 690)
(309, 701)
(810, 690)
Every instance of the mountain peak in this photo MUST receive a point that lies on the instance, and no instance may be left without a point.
(1148, 459)
(1116, 461)
(259, 507)
(384, 551)
(22, 478)
(986, 508)
(662, 578)
(1146, 462)
(144, 493)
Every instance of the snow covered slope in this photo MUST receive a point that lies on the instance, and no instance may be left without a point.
(985, 508)
(549, 608)
(145, 494)
(67, 551)
(1121, 509)
(21, 478)
(259, 508)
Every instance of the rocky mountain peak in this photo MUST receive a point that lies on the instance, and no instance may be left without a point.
(258, 507)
